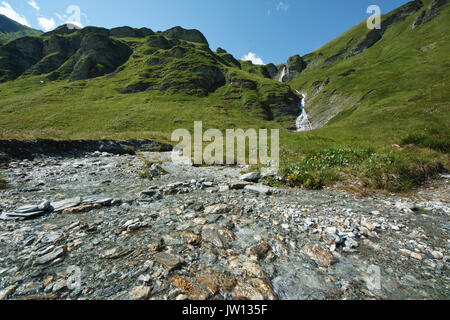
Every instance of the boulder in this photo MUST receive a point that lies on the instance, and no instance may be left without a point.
(187, 35)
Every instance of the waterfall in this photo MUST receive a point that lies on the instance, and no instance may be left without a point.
(283, 73)
(303, 123)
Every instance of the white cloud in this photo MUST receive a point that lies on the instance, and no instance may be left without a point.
(7, 10)
(281, 6)
(34, 5)
(47, 24)
(253, 58)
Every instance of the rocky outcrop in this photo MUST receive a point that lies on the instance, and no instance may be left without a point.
(61, 30)
(202, 79)
(289, 71)
(430, 13)
(98, 55)
(184, 34)
(271, 71)
(227, 58)
(161, 42)
(56, 50)
(87, 54)
(284, 103)
(14, 149)
(19, 55)
(238, 82)
(128, 32)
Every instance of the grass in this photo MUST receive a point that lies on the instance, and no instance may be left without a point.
(391, 170)
(390, 128)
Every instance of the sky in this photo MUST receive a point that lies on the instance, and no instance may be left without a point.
(263, 31)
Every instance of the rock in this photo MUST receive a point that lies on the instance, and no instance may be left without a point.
(416, 256)
(405, 252)
(5, 293)
(116, 253)
(324, 257)
(30, 215)
(239, 185)
(81, 209)
(251, 177)
(260, 251)
(169, 261)
(59, 285)
(197, 289)
(53, 237)
(350, 244)
(259, 189)
(141, 293)
(252, 269)
(437, 255)
(189, 238)
(217, 209)
(59, 206)
(208, 184)
(244, 291)
(57, 253)
(212, 236)
(369, 225)
(45, 206)
(184, 34)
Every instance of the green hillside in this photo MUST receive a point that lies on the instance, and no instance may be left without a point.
(10, 30)
(159, 82)
(387, 104)
(397, 88)
(379, 100)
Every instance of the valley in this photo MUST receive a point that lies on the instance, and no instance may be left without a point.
(92, 207)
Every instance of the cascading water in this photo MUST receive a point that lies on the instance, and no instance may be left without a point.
(283, 73)
(303, 123)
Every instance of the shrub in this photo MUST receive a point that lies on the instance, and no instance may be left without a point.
(434, 139)
(392, 170)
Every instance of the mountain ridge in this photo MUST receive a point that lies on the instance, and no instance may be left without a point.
(10, 30)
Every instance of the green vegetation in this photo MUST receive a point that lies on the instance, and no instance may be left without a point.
(10, 30)
(389, 105)
(395, 94)
(392, 170)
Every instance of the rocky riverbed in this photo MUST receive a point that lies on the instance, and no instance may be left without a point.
(91, 228)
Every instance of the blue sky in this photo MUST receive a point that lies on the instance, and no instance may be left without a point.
(272, 30)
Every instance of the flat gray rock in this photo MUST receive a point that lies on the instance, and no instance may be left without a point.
(28, 215)
(251, 177)
(50, 256)
(59, 206)
(260, 189)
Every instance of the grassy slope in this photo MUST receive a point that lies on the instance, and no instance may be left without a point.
(92, 109)
(407, 75)
(408, 71)
(22, 32)
(404, 86)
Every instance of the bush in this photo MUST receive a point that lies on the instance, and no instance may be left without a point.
(434, 139)
(391, 170)
(397, 173)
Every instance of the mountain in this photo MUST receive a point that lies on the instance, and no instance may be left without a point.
(10, 30)
(154, 82)
(394, 79)
(385, 91)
